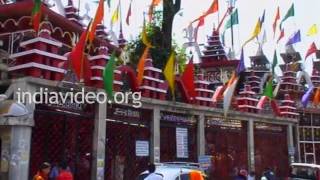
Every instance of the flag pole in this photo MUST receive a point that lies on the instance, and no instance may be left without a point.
(231, 10)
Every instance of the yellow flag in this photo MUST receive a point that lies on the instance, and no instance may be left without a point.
(313, 30)
(255, 33)
(169, 72)
(145, 38)
(115, 15)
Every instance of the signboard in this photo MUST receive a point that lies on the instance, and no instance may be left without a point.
(204, 161)
(291, 151)
(176, 118)
(182, 142)
(142, 148)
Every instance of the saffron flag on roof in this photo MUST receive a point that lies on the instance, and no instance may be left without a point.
(290, 13)
(36, 15)
(187, 79)
(212, 9)
(108, 75)
(276, 19)
(129, 14)
(305, 98)
(312, 49)
(169, 72)
(313, 30)
(296, 37)
(141, 65)
(281, 35)
(97, 20)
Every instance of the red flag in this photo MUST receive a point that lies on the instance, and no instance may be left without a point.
(312, 49)
(128, 15)
(275, 21)
(200, 23)
(316, 97)
(97, 19)
(281, 35)
(187, 79)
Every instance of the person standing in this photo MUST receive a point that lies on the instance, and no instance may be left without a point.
(64, 173)
(152, 175)
(43, 172)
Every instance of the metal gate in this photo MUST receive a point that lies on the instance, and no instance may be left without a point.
(62, 136)
(122, 163)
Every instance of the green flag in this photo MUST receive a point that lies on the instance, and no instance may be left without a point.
(268, 90)
(275, 61)
(233, 20)
(108, 76)
(290, 13)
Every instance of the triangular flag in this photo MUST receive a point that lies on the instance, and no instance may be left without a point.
(290, 13)
(36, 15)
(233, 20)
(316, 97)
(255, 33)
(187, 79)
(213, 8)
(296, 37)
(313, 30)
(268, 90)
(141, 65)
(228, 94)
(115, 15)
(108, 76)
(312, 49)
(281, 35)
(306, 97)
(200, 23)
(97, 20)
(275, 61)
(129, 14)
(276, 19)
(169, 72)
(241, 67)
(77, 55)
(262, 18)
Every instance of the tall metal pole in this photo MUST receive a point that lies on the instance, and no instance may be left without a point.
(231, 20)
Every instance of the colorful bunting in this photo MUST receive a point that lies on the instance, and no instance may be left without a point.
(141, 64)
(306, 97)
(296, 37)
(108, 75)
(36, 15)
(290, 13)
(312, 49)
(233, 20)
(169, 72)
(129, 14)
(187, 79)
(313, 30)
(276, 19)
(97, 20)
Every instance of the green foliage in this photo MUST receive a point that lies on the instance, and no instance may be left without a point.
(159, 54)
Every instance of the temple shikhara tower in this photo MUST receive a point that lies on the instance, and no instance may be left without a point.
(140, 108)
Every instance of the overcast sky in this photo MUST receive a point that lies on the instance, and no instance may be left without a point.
(306, 14)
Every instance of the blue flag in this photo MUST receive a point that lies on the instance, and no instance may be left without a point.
(294, 39)
(241, 67)
(306, 97)
(262, 18)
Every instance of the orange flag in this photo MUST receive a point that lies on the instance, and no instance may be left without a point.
(153, 4)
(312, 49)
(316, 98)
(213, 8)
(97, 19)
(141, 64)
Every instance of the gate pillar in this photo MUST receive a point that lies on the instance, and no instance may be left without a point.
(99, 140)
(250, 135)
(155, 136)
(291, 148)
(201, 135)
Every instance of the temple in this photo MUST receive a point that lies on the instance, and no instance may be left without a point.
(117, 140)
